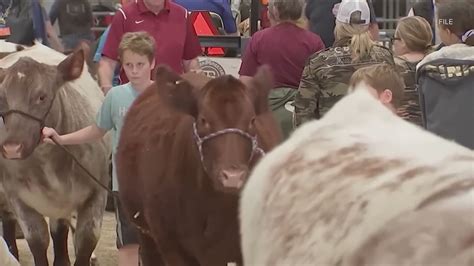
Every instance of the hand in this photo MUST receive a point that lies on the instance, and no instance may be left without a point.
(48, 134)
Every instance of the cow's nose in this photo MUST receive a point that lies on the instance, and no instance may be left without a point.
(233, 178)
(12, 150)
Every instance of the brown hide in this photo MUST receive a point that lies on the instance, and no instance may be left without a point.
(164, 188)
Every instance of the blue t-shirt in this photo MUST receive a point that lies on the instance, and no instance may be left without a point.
(220, 7)
(111, 116)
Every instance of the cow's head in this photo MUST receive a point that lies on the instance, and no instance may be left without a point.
(225, 112)
(27, 91)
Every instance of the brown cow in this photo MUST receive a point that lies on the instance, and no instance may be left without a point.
(182, 159)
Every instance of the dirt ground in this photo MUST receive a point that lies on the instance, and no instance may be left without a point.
(106, 251)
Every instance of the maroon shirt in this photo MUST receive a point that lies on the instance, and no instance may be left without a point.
(285, 48)
(175, 37)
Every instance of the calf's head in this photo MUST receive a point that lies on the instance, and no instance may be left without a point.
(225, 112)
(27, 91)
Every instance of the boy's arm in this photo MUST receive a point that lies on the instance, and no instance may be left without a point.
(85, 135)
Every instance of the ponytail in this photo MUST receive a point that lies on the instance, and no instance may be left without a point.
(361, 44)
(361, 39)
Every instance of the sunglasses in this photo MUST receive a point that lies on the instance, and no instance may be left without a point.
(392, 39)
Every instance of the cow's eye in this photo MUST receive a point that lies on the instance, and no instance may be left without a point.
(204, 123)
(41, 99)
(252, 125)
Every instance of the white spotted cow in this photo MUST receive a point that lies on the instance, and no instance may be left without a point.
(360, 187)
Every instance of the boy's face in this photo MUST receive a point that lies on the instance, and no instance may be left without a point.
(137, 67)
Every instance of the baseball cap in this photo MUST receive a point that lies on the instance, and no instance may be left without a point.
(354, 12)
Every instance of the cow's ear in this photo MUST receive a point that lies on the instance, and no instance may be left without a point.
(259, 89)
(71, 67)
(175, 91)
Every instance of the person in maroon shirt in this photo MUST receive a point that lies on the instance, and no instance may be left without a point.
(177, 44)
(285, 47)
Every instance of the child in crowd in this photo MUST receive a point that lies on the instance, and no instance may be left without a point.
(383, 82)
(137, 53)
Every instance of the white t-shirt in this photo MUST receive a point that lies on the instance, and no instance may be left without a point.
(435, 19)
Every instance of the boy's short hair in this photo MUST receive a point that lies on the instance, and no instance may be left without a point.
(139, 42)
(381, 77)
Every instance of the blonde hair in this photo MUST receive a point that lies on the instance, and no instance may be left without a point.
(139, 42)
(381, 77)
(416, 33)
(361, 40)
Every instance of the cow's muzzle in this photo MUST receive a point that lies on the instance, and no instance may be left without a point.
(233, 178)
(12, 150)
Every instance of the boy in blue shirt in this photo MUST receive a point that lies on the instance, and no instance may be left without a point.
(137, 53)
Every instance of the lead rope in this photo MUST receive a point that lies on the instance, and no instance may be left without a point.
(83, 168)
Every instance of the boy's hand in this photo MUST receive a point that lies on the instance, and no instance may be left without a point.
(49, 134)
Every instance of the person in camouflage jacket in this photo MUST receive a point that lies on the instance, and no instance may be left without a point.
(327, 73)
(411, 43)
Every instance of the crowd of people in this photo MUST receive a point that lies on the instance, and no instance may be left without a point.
(314, 63)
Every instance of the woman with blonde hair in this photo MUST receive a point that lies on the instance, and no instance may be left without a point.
(326, 75)
(411, 43)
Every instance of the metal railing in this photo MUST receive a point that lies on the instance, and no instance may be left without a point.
(389, 11)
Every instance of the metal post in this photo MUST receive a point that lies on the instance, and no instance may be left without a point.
(254, 15)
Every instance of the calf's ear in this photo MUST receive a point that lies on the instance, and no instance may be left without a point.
(71, 67)
(259, 88)
(175, 91)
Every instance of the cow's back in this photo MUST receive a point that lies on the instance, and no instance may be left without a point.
(340, 179)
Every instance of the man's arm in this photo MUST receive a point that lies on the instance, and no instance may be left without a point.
(109, 60)
(306, 101)
(53, 37)
(192, 49)
(191, 65)
(106, 72)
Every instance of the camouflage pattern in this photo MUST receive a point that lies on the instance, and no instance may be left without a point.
(410, 106)
(326, 77)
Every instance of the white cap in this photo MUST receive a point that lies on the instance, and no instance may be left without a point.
(354, 12)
